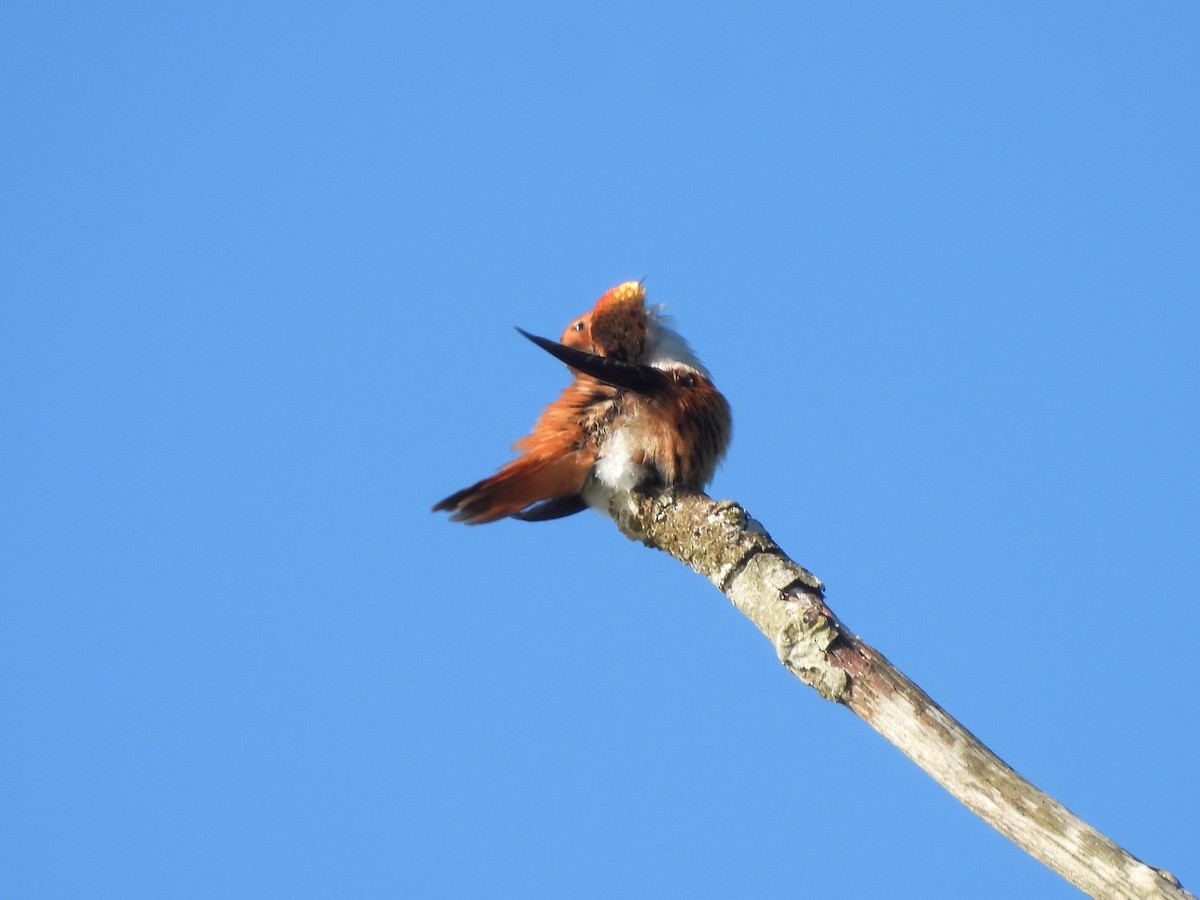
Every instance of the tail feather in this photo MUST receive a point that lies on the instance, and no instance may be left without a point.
(526, 480)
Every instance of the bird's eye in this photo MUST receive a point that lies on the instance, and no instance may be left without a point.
(578, 326)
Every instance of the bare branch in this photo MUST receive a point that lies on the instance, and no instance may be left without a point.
(787, 604)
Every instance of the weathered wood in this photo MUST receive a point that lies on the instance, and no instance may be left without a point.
(787, 603)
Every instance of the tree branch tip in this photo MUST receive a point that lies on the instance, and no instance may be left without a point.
(721, 541)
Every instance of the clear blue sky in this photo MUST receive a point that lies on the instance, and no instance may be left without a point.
(260, 266)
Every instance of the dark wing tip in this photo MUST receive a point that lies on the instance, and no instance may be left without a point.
(556, 508)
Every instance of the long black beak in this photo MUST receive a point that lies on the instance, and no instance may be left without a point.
(639, 379)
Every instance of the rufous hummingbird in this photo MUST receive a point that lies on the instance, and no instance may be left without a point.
(641, 412)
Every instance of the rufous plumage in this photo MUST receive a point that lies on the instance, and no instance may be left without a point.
(640, 412)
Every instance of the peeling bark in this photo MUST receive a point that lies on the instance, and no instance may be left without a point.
(787, 603)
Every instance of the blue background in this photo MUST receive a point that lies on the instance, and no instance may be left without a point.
(260, 266)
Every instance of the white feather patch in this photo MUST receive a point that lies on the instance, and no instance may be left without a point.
(666, 348)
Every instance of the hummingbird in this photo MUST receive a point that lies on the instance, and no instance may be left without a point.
(640, 412)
